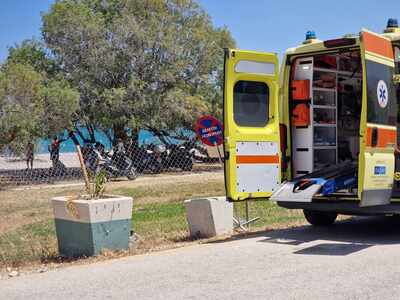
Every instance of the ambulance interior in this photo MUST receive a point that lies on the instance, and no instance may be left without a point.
(325, 110)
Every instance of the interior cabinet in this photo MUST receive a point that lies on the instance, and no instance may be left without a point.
(315, 145)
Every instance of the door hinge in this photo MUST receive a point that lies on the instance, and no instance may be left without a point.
(226, 52)
(227, 155)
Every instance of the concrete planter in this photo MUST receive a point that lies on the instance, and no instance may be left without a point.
(209, 217)
(86, 227)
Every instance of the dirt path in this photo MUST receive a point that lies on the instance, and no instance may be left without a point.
(144, 180)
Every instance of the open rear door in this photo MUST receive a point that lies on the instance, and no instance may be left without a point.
(251, 124)
(378, 121)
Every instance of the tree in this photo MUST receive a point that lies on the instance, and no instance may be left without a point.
(138, 62)
(61, 102)
(33, 105)
(35, 54)
(20, 104)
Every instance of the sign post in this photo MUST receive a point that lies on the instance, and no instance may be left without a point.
(210, 131)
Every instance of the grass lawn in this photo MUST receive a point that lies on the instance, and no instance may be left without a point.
(27, 233)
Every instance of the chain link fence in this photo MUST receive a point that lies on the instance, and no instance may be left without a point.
(57, 160)
(158, 177)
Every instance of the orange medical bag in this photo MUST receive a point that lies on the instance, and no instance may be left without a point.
(301, 115)
(301, 89)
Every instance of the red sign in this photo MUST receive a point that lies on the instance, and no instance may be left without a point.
(210, 131)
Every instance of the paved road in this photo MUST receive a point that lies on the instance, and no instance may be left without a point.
(356, 259)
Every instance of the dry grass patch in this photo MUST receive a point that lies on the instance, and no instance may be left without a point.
(171, 192)
(27, 233)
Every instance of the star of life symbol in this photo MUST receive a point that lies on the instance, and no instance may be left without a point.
(382, 93)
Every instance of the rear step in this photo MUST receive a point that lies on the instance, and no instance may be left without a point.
(323, 183)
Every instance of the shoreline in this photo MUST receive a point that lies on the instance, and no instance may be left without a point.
(69, 159)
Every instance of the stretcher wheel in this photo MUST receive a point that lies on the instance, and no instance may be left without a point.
(320, 218)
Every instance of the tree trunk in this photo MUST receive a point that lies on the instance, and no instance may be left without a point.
(73, 137)
(90, 130)
(119, 133)
(135, 135)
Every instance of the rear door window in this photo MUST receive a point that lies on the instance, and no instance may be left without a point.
(251, 103)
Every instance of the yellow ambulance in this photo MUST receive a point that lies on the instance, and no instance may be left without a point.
(320, 134)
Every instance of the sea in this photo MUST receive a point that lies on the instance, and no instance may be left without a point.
(145, 138)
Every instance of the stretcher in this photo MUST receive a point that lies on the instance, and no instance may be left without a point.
(323, 182)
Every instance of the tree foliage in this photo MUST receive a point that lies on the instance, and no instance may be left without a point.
(34, 101)
(35, 54)
(20, 103)
(113, 64)
(138, 62)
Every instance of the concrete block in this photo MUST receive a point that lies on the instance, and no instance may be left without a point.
(209, 217)
(90, 211)
(86, 227)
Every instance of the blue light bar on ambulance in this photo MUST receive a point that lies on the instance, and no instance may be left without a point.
(340, 42)
(392, 23)
(310, 35)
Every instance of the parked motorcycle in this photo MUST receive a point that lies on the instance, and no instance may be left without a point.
(119, 165)
(174, 156)
(145, 158)
(90, 158)
(179, 157)
(116, 165)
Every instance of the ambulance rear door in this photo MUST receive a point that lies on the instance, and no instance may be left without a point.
(378, 121)
(251, 124)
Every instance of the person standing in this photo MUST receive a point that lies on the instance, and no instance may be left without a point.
(54, 149)
(29, 155)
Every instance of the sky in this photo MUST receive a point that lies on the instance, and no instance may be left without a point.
(262, 25)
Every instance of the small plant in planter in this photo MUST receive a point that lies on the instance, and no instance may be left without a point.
(94, 221)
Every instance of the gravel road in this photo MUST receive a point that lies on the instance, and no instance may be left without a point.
(354, 259)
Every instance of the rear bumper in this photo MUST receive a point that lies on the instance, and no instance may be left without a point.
(346, 207)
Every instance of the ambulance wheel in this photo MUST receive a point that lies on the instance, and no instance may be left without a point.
(320, 218)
